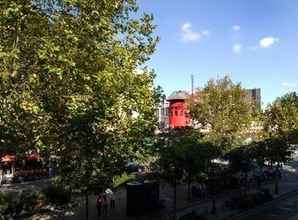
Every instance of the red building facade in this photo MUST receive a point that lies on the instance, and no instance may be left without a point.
(178, 112)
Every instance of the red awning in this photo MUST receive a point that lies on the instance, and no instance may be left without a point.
(8, 158)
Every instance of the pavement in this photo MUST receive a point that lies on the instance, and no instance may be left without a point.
(30, 185)
(287, 185)
(119, 212)
(284, 208)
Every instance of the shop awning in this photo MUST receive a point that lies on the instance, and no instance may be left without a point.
(8, 158)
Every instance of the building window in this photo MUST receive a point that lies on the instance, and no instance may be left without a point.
(176, 113)
(181, 113)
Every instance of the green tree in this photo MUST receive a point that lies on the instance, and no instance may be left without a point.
(292, 137)
(281, 125)
(278, 151)
(281, 117)
(222, 109)
(89, 98)
(168, 164)
(183, 156)
(241, 158)
(195, 156)
(20, 119)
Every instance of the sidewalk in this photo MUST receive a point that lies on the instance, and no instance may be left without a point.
(36, 185)
(183, 207)
(286, 185)
(118, 213)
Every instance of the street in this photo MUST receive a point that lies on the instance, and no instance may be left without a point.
(286, 208)
(281, 209)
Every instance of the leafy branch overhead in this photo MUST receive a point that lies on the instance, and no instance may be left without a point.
(73, 82)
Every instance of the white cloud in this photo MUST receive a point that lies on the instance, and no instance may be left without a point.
(236, 28)
(236, 34)
(237, 48)
(186, 27)
(206, 33)
(267, 42)
(188, 34)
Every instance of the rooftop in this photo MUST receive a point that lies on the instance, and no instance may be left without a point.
(178, 95)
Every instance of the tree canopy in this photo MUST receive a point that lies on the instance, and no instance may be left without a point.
(281, 117)
(222, 109)
(73, 82)
(183, 155)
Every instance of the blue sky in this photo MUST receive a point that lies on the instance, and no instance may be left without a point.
(253, 41)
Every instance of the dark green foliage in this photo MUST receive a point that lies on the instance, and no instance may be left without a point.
(250, 200)
(26, 202)
(184, 156)
(241, 158)
(57, 195)
(183, 151)
(122, 179)
(273, 150)
(29, 201)
(292, 137)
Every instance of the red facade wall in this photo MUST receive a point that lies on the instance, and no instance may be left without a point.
(178, 114)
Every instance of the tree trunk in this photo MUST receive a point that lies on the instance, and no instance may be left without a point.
(276, 188)
(189, 196)
(213, 209)
(87, 206)
(245, 184)
(175, 198)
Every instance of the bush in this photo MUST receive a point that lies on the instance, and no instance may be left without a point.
(122, 179)
(3, 205)
(13, 204)
(57, 195)
(31, 201)
(9, 203)
(250, 200)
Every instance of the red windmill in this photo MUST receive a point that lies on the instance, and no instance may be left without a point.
(178, 112)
